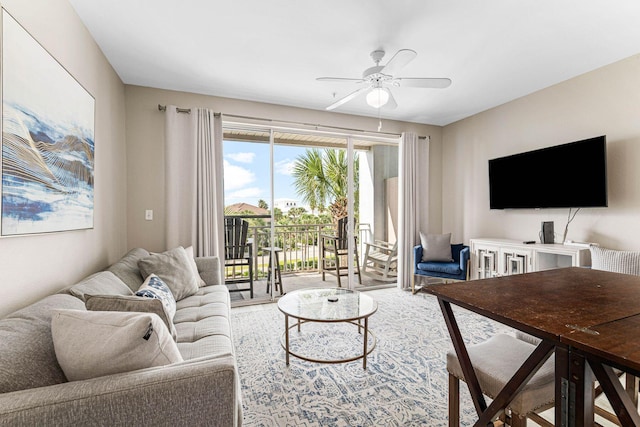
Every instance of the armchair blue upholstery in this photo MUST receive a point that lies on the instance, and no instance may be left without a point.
(456, 270)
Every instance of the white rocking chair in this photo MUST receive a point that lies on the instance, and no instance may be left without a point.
(381, 261)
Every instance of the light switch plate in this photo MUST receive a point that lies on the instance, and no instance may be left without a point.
(148, 215)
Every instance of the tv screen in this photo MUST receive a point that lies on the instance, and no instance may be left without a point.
(571, 175)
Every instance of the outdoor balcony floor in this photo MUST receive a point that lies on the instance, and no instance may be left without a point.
(295, 281)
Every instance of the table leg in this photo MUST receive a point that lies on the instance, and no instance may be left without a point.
(286, 337)
(620, 401)
(269, 273)
(277, 275)
(574, 389)
(463, 357)
(562, 386)
(581, 384)
(366, 338)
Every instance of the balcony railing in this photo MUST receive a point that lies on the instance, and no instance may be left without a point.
(299, 244)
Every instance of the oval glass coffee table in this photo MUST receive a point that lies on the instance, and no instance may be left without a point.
(328, 305)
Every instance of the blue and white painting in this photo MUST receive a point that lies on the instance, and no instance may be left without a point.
(47, 140)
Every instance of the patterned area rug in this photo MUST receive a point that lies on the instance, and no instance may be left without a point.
(405, 384)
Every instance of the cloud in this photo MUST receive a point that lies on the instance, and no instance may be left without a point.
(245, 193)
(284, 167)
(236, 177)
(242, 157)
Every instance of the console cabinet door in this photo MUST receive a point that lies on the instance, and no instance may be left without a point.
(515, 261)
(485, 262)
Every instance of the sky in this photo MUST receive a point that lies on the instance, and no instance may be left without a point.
(246, 172)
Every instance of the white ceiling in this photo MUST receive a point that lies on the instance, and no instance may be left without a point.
(273, 50)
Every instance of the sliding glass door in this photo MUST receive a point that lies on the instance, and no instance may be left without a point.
(296, 189)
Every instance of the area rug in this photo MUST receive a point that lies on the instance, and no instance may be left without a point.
(405, 383)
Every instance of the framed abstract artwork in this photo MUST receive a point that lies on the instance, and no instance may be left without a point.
(47, 140)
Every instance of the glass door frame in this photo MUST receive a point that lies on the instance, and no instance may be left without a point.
(349, 138)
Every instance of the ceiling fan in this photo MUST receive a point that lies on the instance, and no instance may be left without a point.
(377, 80)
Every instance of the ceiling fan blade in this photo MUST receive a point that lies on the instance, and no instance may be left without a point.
(339, 80)
(399, 60)
(348, 97)
(432, 83)
(391, 103)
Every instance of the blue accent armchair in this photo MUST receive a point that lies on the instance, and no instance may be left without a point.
(456, 270)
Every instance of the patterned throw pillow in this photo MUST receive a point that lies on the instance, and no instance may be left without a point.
(154, 287)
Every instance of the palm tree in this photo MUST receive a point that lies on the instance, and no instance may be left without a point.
(321, 178)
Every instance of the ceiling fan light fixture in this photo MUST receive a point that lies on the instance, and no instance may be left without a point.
(377, 97)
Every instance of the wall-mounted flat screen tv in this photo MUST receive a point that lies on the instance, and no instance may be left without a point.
(570, 175)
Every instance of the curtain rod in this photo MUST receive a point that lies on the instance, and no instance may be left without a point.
(178, 110)
(188, 111)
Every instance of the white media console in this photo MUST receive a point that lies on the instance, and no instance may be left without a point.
(502, 257)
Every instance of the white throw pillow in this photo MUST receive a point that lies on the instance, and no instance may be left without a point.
(91, 344)
(194, 266)
(436, 247)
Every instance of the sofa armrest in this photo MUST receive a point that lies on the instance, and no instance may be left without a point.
(202, 391)
(417, 257)
(209, 269)
(464, 258)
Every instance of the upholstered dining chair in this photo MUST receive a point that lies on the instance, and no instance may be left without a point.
(625, 262)
(495, 361)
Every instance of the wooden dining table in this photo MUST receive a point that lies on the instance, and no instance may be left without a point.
(584, 318)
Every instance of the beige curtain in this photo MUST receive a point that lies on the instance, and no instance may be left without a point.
(414, 175)
(193, 180)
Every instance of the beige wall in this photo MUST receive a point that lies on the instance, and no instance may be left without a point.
(34, 266)
(604, 101)
(145, 153)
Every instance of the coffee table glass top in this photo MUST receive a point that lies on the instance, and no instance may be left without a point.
(318, 305)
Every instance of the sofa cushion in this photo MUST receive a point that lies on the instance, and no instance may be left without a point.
(90, 344)
(203, 323)
(27, 356)
(194, 266)
(127, 268)
(436, 247)
(441, 267)
(132, 303)
(102, 283)
(174, 269)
